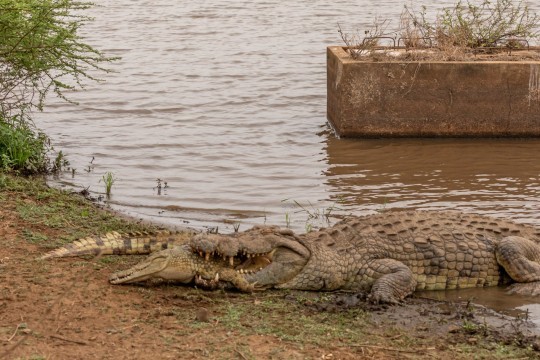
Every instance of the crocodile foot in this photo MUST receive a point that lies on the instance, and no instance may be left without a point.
(383, 298)
(526, 289)
(396, 282)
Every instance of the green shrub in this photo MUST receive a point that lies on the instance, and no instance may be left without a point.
(40, 52)
(22, 149)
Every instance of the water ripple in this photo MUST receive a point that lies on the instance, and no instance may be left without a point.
(227, 103)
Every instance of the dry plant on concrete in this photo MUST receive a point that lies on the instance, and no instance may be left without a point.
(486, 25)
(458, 32)
(412, 35)
(364, 45)
(466, 25)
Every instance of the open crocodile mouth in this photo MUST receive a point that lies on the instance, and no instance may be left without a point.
(243, 262)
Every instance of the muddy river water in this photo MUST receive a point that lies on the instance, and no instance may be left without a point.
(224, 101)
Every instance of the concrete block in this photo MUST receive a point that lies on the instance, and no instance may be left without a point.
(432, 99)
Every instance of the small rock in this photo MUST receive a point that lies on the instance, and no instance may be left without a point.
(202, 315)
(454, 329)
(472, 340)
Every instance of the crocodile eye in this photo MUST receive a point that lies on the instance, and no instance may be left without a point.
(158, 258)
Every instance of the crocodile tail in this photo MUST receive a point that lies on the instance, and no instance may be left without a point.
(114, 243)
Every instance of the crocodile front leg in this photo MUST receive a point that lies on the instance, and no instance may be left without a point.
(520, 258)
(394, 281)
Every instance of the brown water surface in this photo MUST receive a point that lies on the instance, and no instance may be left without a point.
(496, 298)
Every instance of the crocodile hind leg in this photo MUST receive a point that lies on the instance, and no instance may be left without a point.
(394, 281)
(520, 258)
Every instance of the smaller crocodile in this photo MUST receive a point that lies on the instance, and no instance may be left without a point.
(389, 255)
(182, 265)
(171, 259)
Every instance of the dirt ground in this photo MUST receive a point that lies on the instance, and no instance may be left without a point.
(66, 309)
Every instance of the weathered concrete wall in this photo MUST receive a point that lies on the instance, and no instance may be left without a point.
(432, 99)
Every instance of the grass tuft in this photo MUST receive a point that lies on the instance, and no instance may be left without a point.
(108, 179)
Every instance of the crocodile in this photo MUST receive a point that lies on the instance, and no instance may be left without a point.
(389, 255)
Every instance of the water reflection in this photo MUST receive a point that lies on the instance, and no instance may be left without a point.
(496, 298)
(488, 176)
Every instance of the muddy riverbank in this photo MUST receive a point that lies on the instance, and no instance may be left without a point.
(66, 308)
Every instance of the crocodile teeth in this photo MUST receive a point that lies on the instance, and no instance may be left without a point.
(217, 277)
(231, 260)
(207, 257)
(200, 253)
(248, 256)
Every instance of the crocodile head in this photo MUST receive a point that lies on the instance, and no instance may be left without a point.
(258, 258)
(266, 256)
(179, 264)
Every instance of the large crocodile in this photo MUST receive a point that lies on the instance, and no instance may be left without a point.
(390, 255)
